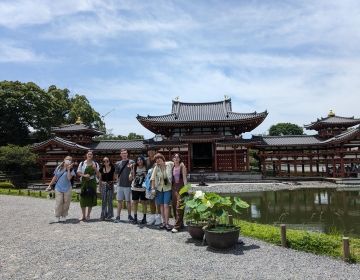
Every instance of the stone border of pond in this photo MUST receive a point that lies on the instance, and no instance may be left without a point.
(238, 187)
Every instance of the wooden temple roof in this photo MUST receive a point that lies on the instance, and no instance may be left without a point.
(202, 114)
(111, 145)
(76, 128)
(333, 121)
(307, 140)
(61, 142)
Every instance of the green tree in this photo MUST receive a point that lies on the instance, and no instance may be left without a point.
(285, 129)
(80, 107)
(28, 112)
(110, 136)
(16, 158)
(23, 109)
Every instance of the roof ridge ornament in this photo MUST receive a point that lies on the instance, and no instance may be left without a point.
(331, 113)
(79, 120)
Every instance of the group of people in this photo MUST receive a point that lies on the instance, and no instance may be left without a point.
(152, 181)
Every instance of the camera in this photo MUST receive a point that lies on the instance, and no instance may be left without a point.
(166, 181)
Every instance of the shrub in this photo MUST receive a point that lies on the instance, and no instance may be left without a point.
(6, 185)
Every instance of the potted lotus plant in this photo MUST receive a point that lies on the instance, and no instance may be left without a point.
(195, 219)
(215, 209)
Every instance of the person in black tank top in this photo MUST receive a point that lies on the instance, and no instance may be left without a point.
(107, 189)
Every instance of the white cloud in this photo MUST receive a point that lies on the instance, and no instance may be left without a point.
(10, 52)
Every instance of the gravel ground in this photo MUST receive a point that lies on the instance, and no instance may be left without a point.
(31, 247)
(269, 186)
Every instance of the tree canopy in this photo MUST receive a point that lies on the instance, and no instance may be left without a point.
(110, 136)
(285, 129)
(28, 112)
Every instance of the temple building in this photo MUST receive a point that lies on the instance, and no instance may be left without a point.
(75, 140)
(333, 152)
(208, 136)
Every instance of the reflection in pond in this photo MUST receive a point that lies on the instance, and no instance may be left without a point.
(325, 210)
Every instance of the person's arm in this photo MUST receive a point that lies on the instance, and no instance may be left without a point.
(53, 180)
(80, 172)
(132, 173)
(68, 171)
(184, 173)
(152, 179)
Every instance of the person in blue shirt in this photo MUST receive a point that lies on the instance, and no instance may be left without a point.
(62, 179)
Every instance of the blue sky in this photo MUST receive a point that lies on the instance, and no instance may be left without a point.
(296, 59)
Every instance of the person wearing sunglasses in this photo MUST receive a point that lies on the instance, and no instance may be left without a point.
(106, 184)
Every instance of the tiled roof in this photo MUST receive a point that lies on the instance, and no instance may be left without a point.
(333, 120)
(117, 145)
(60, 141)
(296, 140)
(210, 113)
(76, 128)
(343, 136)
(307, 140)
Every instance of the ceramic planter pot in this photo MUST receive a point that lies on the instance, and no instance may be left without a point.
(196, 231)
(225, 238)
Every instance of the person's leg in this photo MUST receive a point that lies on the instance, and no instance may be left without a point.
(144, 206)
(103, 202)
(135, 206)
(167, 198)
(120, 197)
(66, 206)
(83, 211)
(58, 204)
(110, 210)
(88, 213)
(179, 213)
(162, 214)
(127, 193)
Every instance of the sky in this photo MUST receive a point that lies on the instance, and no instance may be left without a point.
(295, 59)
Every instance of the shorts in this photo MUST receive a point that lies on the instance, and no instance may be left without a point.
(136, 195)
(163, 197)
(123, 193)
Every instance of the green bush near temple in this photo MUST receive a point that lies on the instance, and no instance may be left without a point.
(6, 185)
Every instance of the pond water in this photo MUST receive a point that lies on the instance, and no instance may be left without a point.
(324, 210)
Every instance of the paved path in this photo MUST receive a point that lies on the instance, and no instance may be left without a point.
(33, 248)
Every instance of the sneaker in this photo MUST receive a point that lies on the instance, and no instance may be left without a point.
(143, 221)
(131, 219)
(117, 220)
(168, 227)
(102, 218)
(174, 230)
(135, 221)
(157, 220)
(151, 220)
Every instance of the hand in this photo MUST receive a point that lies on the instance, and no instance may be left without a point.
(69, 166)
(48, 188)
(86, 175)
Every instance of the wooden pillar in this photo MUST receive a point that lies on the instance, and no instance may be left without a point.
(235, 163)
(247, 160)
(215, 155)
(189, 156)
(342, 167)
(311, 165)
(295, 166)
(43, 172)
